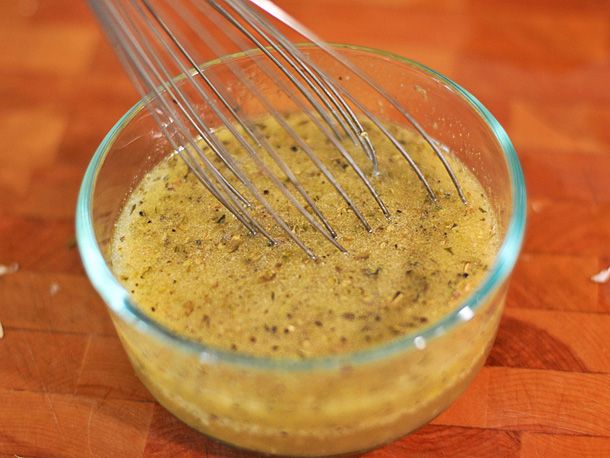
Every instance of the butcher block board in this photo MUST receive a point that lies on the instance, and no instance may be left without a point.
(542, 67)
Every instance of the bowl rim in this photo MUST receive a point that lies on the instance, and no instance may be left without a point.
(118, 300)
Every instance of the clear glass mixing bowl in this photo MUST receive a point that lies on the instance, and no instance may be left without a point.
(320, 406)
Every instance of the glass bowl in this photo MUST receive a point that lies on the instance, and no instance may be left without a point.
(317, 406)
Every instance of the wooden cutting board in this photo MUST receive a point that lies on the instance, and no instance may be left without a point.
(542, 67)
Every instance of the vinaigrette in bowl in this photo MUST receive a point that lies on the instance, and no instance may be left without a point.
(266, 349)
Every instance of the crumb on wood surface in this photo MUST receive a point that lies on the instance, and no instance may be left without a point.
(54, 288)
(602, 277)
(8, 269)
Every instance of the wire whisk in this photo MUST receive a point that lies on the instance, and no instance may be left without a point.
(160, 43)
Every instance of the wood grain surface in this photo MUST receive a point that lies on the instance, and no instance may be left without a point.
(541, 66)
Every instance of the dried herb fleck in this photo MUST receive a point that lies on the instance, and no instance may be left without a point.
(372, 272)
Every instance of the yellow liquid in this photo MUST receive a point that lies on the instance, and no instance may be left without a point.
(193, 268)
(191, 265)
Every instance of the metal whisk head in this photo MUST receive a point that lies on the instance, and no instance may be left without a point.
(160, 39)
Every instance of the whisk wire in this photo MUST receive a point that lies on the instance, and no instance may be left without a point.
(152, 46)
(277, 159)
(288, 20)
(138, 57)
(355, 131)
(214, 45)
(254, 155)
(306, 93)
(333, 85)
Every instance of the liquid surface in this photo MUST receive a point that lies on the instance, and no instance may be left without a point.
(194, 268)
